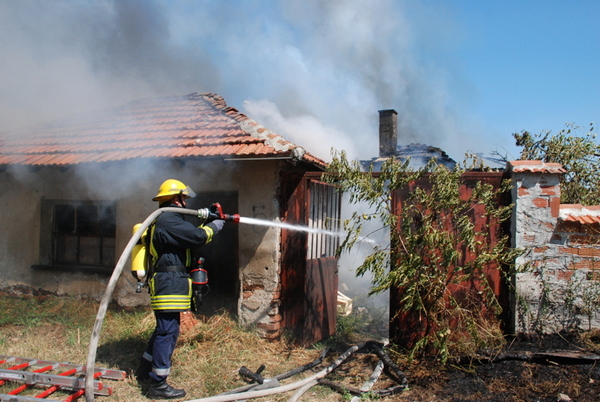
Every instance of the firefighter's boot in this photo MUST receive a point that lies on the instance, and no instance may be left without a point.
(162, 390)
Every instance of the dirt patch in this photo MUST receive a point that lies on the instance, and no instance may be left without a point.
(530, 369)
(504, 381)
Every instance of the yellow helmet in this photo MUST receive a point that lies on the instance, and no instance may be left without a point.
(173, 187)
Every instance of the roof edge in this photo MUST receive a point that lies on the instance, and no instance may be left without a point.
(535, 166)
(269, 137)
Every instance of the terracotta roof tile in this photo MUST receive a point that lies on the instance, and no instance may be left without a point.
(193, 125)
(579, 213)
(535, 167)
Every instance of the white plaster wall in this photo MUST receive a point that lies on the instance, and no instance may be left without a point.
(133, 185)
(20, 216)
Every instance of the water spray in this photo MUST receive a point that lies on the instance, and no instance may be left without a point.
(301, 228)
(283, 225)
(216, 212)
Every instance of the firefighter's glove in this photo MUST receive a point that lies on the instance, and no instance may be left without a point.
(213, 213)
(216, 225)
(212, 217)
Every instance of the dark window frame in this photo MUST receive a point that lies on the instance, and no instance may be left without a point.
(78, 235)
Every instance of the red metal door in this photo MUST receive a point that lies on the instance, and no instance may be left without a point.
(309, 272)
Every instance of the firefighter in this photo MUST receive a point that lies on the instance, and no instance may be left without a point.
(171, 244)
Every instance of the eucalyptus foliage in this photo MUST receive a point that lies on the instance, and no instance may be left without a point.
(434, 248)
(577, 150)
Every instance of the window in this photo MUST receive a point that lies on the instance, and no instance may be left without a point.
(324, 218)
(78, 234)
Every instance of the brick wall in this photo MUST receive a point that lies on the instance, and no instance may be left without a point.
(559, 285)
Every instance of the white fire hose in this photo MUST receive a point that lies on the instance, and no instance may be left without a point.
(106, 298)
(312, 380)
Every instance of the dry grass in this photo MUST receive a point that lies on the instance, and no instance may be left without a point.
(591, 340)
(206, 361)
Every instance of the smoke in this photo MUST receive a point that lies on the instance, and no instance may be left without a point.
(349, 59)
(63, 57)
(304, 130)
(327, 66)
(357, 287)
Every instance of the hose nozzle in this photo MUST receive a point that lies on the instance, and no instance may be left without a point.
(231, 218)
(216, 208)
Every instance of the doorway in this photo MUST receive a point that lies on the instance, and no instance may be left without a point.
(221, 256)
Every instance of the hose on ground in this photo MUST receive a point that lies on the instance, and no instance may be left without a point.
(285, 375)
(366, 387)
(304, 385)
(391, 368)
(283, 388)
(306, 367)
(302, 390)
(371, 381)
(355, 391)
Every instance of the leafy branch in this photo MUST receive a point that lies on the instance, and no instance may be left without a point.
(437, 257)
(579, 153)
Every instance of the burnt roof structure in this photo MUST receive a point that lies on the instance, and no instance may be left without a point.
(419, 155)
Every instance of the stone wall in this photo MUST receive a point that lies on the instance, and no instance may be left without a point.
(558, 285)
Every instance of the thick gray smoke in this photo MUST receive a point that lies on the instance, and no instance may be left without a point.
(317, 70)
(63, 57)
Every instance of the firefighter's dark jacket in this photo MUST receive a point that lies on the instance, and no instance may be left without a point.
(173, 239)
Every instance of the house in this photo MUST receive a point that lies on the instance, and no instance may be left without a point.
(74, 190)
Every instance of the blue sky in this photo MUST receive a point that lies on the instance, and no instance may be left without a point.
(533, 64)
(463, 75)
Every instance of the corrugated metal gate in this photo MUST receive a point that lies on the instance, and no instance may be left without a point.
(309, 271)
(405, 327)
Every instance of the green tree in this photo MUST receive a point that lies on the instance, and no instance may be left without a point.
(579, 153)
(434, 246)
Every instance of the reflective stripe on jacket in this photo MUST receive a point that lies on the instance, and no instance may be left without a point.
(170, 291)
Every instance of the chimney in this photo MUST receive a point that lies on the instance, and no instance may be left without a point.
(388, 133)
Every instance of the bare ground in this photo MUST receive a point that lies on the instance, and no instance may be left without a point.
(552, 368)
(552, 379)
